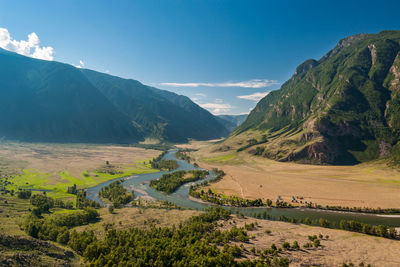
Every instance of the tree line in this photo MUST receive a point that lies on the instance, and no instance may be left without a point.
(182, 155)
(117, 194)
(348, 225)
(168, 164)
(196, 242)
(56, 227)
(169, 182)
(225, 200)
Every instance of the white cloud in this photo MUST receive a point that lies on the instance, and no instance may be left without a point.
(30, 48)
(254, 97)
(256, 83)
(201, 94)
(217, 108)
(80, 65)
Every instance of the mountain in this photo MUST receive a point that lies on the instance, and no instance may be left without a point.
(231, 121)
(158, 113)
(47, 101)
(341, 109)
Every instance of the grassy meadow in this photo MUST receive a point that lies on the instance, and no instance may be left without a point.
(55, 167)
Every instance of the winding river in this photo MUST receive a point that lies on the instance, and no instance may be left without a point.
(140, 184)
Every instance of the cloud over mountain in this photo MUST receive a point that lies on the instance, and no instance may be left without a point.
(255, 83)
(30, 48)
(254, 97)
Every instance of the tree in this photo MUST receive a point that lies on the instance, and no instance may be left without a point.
(43, 203)
(286, 245)
(72, 190)
(36, 211)
(63, 237)
(24, 194)
(111, 209)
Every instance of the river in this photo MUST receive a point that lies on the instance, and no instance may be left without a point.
(140, 184)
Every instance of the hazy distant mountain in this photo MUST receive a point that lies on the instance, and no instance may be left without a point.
(158, 113)
(343, 108)
(49, 101)
(232, 121)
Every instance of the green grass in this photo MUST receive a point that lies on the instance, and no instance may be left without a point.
(388, 181)
(12, 214)
(230, 158)
(61, 211)
(38, 253)
(59, 182)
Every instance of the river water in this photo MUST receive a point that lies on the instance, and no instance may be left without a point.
(140, 184)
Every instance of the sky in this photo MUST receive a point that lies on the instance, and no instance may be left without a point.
(224, 55)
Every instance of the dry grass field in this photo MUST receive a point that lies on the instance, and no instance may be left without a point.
(123, 219)
(76, 158)
(364, 185)
(338, 248)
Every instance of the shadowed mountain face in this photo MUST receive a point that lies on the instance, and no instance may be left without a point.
(158, 113)
(54, 102)
(344, 108)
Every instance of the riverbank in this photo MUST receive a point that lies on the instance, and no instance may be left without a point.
(309, 216)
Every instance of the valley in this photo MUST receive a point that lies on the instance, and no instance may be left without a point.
(139, 215)
(253, 177)
(101, 170)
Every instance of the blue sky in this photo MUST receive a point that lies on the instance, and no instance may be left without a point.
(224, 55)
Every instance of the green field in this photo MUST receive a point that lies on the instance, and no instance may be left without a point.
(57, 183)
(230, 158)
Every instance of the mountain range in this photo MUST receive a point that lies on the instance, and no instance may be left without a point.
(48, 101)
(341, 109)
(231, 122)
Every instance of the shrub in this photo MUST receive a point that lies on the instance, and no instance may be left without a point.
(286, 245)
(24, 194)
(111, 209)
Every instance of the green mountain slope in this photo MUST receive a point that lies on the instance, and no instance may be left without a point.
(158, 113)
(343, 108)
(54, 102)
